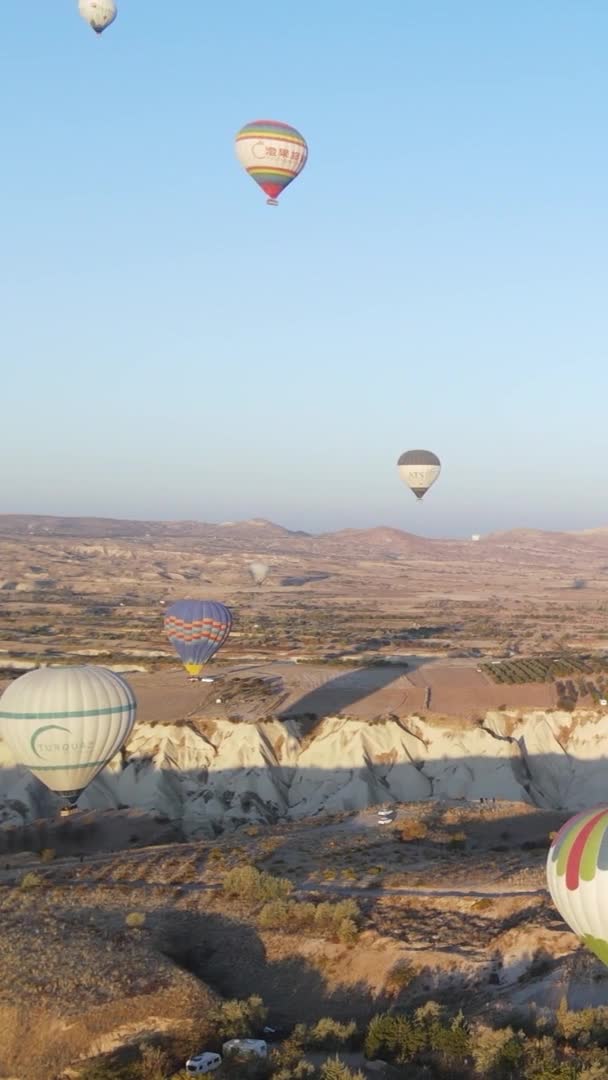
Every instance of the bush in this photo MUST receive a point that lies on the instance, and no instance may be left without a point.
(335, 1069)
(253, 886)
(348, 932)
(238, 1019)
(497, 1053)
(401, 975)
(330, 1034)
(31, 880)
(413, 830)
(154, 1063)
(47, 855)
(135, 920)
(328, 920)
(458, 840)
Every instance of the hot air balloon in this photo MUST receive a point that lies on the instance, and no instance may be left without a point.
(577, 877)
(259, 572)
(419, 469)
(272, 153)
(98, 13)
(197, 629)
(66, 723)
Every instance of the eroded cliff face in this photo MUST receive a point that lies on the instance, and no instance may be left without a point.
(212, 774)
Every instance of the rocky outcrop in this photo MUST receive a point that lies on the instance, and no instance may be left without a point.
(211, 774)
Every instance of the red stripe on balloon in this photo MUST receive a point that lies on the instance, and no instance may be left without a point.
(573, 865)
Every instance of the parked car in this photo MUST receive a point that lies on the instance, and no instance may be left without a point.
(203, 1063)
(245, 1048)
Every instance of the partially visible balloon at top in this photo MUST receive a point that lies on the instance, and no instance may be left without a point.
(273, 154)
(98, 13)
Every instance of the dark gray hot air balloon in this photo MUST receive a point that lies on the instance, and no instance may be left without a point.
(419, 469)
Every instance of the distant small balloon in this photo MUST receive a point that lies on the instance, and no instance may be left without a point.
(273, 154)
(98, 13)
(419, 469)
(259, 572)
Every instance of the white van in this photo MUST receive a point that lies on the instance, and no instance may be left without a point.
(203, 1063)
(246, 1048)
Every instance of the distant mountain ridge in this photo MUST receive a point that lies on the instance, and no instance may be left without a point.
(260, 533)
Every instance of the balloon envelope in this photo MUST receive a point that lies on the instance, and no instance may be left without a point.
(98, 13)
(272, 153)
(197, 629)
(259, 572)
(577, 877)
(66, 723)
(419, 469)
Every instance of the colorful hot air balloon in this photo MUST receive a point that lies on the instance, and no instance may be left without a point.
(197, 629)
(66, 723)
(419, 469)
(259, 572)
(98, 13)
(272, 153)
(577, 877)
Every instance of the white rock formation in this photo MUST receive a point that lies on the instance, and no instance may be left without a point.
(209, 774)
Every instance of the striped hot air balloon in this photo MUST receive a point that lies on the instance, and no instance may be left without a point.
(273, 154)
(577, 877)
(197, 629)
(66, 723)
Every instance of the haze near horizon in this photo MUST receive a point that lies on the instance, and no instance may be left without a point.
(436, 277)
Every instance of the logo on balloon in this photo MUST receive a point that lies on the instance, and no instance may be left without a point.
(54, 745)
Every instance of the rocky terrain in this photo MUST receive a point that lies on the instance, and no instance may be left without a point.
(463, 682)
(448, 903)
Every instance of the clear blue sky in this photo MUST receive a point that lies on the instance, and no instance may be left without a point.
(437, 277)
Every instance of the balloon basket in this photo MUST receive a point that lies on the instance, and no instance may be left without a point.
(272, 202)
(67, 811)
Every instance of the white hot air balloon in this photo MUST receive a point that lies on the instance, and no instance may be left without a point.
(98, 13)
(577, 877)
(419, 469)
(259, 572)
(66, 723)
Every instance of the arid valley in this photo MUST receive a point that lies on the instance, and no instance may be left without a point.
(233, 849)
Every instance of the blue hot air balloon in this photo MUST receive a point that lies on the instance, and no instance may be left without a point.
(197, 629)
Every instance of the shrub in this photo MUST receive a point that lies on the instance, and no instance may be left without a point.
(496, 1051)
(47, 855)
(457, 840)
(238, 1019)
(413, 830)
(348, 932)
(135, 920)
(483, 904)
(335, 1069)
(401, 975)
(31, 880)
(249, 884)
(154, 1063)
(330, 1034)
